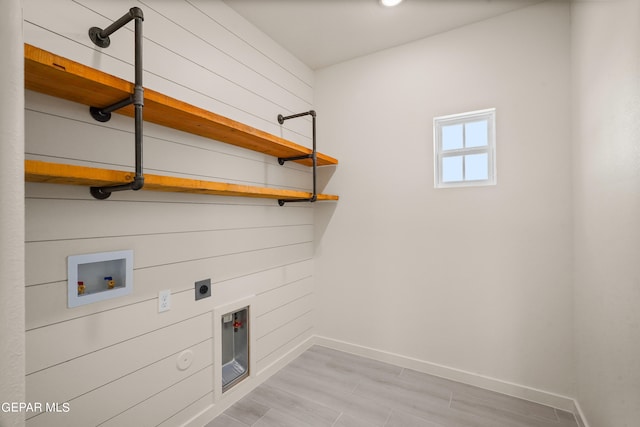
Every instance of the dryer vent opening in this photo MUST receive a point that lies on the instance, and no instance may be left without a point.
(235, 347)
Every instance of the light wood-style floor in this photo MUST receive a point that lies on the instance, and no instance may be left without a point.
(325, 387)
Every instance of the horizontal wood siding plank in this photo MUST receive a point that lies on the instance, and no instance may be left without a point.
(101, 404)
(271, 321)
(54, 219)
(215, 62)
(68, 380)
(276, 355)
(168, 403)
(160, 249)
(263, 282)
(283, 295)
(279, 338)
(189, 412)
(208, 28)
(252, 36)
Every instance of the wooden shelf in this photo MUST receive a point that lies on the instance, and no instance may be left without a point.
(56, 173)
(60, 77)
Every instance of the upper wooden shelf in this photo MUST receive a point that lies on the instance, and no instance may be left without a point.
(60, 77)
(56, 173)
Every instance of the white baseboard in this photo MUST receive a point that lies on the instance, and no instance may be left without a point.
(505, 387)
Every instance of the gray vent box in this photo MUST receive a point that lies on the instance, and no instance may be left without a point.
(235, 347)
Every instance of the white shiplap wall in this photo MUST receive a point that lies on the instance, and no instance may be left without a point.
(115, 361)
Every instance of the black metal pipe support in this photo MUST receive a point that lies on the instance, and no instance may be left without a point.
(101, 38)
(312, 156)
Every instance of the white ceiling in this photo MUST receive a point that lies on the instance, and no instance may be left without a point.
(325, 32)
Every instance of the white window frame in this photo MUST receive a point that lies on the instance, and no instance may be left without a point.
(439, 154)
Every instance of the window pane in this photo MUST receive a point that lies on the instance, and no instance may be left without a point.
(452, 169)
(476, 167)
(476, 134)
(451, 137)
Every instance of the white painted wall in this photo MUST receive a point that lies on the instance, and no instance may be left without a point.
(606, 83)
(475, 279)
(12, 307)
(114, 361)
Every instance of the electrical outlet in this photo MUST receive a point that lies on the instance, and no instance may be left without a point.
(203, 289)
(164, 300)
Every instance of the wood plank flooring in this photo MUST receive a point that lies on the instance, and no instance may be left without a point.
(325, 387)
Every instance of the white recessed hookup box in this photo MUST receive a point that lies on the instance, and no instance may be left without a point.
(100, 276)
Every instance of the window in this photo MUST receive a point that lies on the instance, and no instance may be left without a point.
(464, 148)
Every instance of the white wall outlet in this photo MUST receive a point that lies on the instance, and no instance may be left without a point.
(164, 300)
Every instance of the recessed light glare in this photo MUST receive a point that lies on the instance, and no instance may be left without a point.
(390, 3)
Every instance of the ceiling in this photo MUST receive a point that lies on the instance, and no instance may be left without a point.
(325, 32)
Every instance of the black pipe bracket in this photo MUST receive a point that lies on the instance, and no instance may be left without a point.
(312, 156)
(100, 37)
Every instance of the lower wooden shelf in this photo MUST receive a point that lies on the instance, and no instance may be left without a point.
(57, 173)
